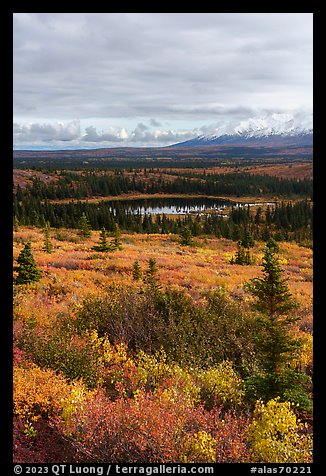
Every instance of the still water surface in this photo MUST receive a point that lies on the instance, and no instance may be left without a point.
(177, 206)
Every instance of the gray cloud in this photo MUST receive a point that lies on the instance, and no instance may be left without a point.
(60, 134)
(167, 66)
(155, 123)
(47, 132)
(111, 136)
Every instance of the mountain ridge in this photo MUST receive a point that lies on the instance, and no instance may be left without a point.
(259, 138)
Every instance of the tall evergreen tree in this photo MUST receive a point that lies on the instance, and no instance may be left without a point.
(85, 229)
(116, 244)
(275, 345)
(28, 272)
(273, 297)
(186, 236)
(48, 247)
(242, 256)
(151, 273)
(103, 245)
(136, 271)
(248, 241)
(16, 223)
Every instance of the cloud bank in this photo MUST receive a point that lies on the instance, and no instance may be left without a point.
(58, 135)
(172, 72)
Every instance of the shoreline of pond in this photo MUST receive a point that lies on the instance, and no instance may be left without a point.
(147, 196)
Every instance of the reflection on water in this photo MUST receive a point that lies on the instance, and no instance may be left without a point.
(176, 206)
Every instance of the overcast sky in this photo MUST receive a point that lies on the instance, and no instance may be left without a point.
(132, 79)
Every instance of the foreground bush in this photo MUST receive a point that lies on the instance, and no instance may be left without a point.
(277, 436)
(194, 334)
(156, 428)
(42, 394)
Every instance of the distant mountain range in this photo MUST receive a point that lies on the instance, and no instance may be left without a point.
(277, 130)
(257, 138)
(299, 139)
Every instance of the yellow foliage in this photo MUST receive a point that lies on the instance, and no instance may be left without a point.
(38, 392)
(110, 354)
(303, 359)
(221, 382)
(77, 396)
(41, 393)
(199, 448)
(153, 367)
(218, 383)
(283, 261)
(153, 370)
(276, 435)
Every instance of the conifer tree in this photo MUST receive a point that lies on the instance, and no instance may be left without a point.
(28, 272)
(186, 236)
(116, 244)
(48, 247)
(273, 297)
(151, 273)
(136, 271)
(275, 345)
(242, 256)
(16, 223)
(85, 229)
(248, 241)
(103, 245)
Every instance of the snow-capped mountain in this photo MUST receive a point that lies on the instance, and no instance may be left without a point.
(275, 130)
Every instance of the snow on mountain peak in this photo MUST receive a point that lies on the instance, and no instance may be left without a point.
(275, 124)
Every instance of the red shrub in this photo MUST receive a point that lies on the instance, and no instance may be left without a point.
(152, 428)
(48, 446)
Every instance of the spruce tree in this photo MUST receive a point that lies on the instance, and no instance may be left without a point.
(116, 244)
(151, 273)
(275, 345)
(48, 247)
(28, 272)
(85, 229)
(242, 256)
(103, 245)
(16, 223)
(136, 271)
(273, 297)
(248, 241)
(186, 236)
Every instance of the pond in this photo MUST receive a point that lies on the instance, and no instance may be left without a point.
(177, 206)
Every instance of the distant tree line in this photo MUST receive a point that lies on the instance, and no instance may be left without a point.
(285, 221)
(89, 184)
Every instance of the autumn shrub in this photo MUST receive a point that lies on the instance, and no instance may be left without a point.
(220, 383)
(152, 373)
(200, 448)
(155, 428)
(48, 445)
(118, 373)
(155, 373)
(38, 392)
(153, 369)
(57, 287)
(191, 333)
(129, 430)
(124, 315)
(228, 332)
(44, 397)
(67, 235)
(62, 350)
(229, 428)
(277, 436)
